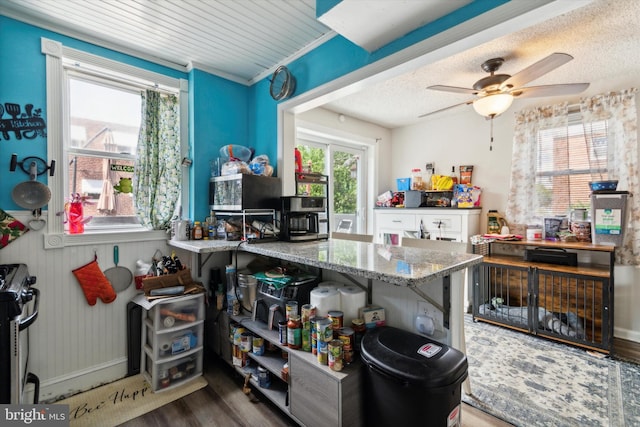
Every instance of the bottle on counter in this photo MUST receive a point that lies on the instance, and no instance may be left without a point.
(454, 177)
(197, 231)
(416, 179)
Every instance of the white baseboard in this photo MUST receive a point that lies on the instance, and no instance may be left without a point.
(626, 334)
(58, 388)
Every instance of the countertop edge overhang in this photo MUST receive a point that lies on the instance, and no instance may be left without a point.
(396, 265)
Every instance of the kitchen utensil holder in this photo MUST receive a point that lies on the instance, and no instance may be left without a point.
(25, 165)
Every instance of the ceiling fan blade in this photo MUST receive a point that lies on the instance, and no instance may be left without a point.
(536, 70)
(445, 108)
(550, 90)
(454, 89)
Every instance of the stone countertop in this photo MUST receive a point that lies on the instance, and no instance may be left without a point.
(397, 265)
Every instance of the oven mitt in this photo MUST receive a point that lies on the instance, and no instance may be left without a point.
(94, 283)
(10, 229)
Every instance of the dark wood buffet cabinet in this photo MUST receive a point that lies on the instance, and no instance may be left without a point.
(568, 303)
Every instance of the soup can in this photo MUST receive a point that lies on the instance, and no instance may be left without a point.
(282, 331)
(291, 307)
(336, 317)
(314, 335)
(258, 346)
(237, 335)
(323, 348)
(306, 339)
(347, 336)
(335, 354)
(264, 379)
(324, 331)
(307, 312)
(246, 341)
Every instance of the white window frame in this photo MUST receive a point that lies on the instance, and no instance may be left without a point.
(56, 53)
(330, 139)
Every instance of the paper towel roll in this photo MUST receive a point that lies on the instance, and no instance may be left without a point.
(351, 299)
(331, 284)
(325, 299)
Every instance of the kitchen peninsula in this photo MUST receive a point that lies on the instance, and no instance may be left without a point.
(393, 277)
(381, 265)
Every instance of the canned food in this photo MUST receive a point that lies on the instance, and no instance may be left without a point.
(282, 330)
(336, 317)
(307, 312)
(346, 335)
(335, 353)
(324, 331)
(322, 352)
(237, 334)
(258, 346)
(246, 340)
(359, 329)
(291, 307)
(264, 379)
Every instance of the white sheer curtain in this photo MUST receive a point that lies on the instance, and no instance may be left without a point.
(522, 202)
(619, 109)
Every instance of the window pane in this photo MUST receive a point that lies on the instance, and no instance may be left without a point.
(103, 118)
(104, 123)
(568, 159)
(100, 181)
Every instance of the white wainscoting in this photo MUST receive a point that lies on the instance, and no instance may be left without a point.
(75, 346)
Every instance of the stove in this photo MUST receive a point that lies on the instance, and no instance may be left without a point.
(18, 311)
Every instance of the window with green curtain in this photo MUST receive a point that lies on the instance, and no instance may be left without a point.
(157, 177)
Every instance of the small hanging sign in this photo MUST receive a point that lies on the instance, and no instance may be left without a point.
(27, 124)
(121, 168)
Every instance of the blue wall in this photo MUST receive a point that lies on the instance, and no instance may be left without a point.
(221, 112)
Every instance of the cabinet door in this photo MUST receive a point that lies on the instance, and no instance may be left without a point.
(313, 395)
(391, 227)
(501, 294)
(442, 226)
(572, 307)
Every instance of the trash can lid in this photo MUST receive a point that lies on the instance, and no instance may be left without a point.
(413, 358)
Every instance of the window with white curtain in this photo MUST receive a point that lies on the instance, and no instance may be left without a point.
(568, 158)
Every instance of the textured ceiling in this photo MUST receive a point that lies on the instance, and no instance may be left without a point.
(603, 37)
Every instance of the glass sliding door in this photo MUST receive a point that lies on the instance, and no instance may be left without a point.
(345, 166)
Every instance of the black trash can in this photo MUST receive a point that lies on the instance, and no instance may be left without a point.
(410, 379)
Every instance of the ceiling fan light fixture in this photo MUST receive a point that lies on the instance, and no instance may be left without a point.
(493, 105)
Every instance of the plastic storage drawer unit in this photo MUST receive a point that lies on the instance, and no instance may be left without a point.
(410, 379)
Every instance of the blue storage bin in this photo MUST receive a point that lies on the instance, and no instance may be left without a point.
(403, 184)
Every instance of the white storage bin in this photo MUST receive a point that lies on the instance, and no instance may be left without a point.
(175, 371)
(176, 312)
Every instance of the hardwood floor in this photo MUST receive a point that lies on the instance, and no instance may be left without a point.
(223, 404)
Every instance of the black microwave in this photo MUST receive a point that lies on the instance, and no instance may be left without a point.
(240, 191)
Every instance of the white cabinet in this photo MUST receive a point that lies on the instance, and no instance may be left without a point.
(393, 224)
(172, 331)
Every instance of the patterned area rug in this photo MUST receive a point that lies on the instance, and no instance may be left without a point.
(529, 381)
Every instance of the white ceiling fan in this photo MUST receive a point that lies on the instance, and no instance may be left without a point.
(495, 93)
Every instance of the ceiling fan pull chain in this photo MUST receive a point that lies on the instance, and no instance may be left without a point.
(491, 140)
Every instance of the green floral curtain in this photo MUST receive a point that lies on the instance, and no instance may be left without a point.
(157, 176)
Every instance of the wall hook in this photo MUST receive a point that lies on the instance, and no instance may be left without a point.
(41, 165)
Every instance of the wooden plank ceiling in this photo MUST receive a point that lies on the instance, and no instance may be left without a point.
(243, 40)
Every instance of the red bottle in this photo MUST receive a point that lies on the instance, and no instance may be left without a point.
(298, 157)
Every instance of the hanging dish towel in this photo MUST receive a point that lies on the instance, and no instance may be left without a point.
(10, 228)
